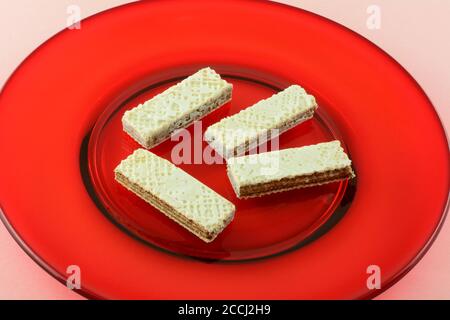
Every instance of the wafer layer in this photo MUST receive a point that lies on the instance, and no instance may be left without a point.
(178, 195)
(254, 125)
(276, 171)
(191, 99)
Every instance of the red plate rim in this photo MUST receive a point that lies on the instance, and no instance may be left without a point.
(386, 285)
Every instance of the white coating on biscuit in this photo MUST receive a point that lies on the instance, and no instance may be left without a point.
(290, 163)
(176, 107)
(177, 188)
(258, 119)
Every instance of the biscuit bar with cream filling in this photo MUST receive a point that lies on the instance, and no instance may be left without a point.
(265, 173)
(175, 193)
(259, 123)
(153, 121)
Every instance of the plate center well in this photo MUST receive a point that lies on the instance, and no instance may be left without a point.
(262, 227)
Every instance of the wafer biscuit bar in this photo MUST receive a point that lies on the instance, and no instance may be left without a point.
(255, 125)
(155, 120)
(260, 174)
(175, 193)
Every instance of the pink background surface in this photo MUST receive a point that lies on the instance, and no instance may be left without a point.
(414, 32)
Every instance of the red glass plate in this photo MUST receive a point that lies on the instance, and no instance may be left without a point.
(61, 137)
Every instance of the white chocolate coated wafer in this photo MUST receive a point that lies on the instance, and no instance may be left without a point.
(276, 171)
(178, 195)
(155, 120)
(254, 125)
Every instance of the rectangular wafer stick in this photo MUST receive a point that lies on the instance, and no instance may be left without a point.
(193, 98)
(260, 174)
(175, 193)
(255, 125)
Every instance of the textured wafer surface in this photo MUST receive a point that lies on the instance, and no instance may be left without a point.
(177, 194)
(281, 112)
(155, 120)
(288, 168)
